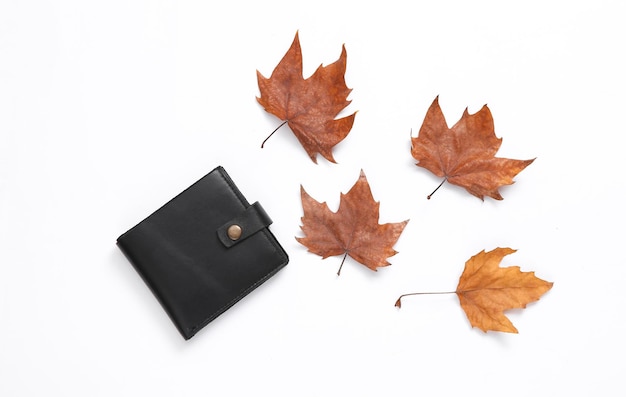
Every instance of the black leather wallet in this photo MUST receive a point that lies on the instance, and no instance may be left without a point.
(203, 251)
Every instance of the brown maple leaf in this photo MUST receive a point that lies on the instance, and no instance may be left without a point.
(309, 106)
(464, 155)
(486, 290)
(353, 230)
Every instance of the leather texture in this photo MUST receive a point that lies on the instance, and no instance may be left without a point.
(184, 254)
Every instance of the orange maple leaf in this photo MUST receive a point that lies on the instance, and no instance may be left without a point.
(486, 290)
(353, 230)
(464, 155)
(309, 106)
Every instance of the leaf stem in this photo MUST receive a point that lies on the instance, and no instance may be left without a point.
(442, 182)
(342, 261)
(398, 304)
(283, 123)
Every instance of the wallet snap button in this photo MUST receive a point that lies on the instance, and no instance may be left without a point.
(234, 232)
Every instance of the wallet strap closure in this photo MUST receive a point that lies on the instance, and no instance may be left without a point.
(244, 225)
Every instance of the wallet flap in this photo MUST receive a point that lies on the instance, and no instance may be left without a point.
(248, 222)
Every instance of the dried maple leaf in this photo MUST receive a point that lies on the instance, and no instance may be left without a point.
(486, 290)
(464, 155)
(309, 106)
(353, 230)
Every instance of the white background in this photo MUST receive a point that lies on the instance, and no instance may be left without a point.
(109, 109)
